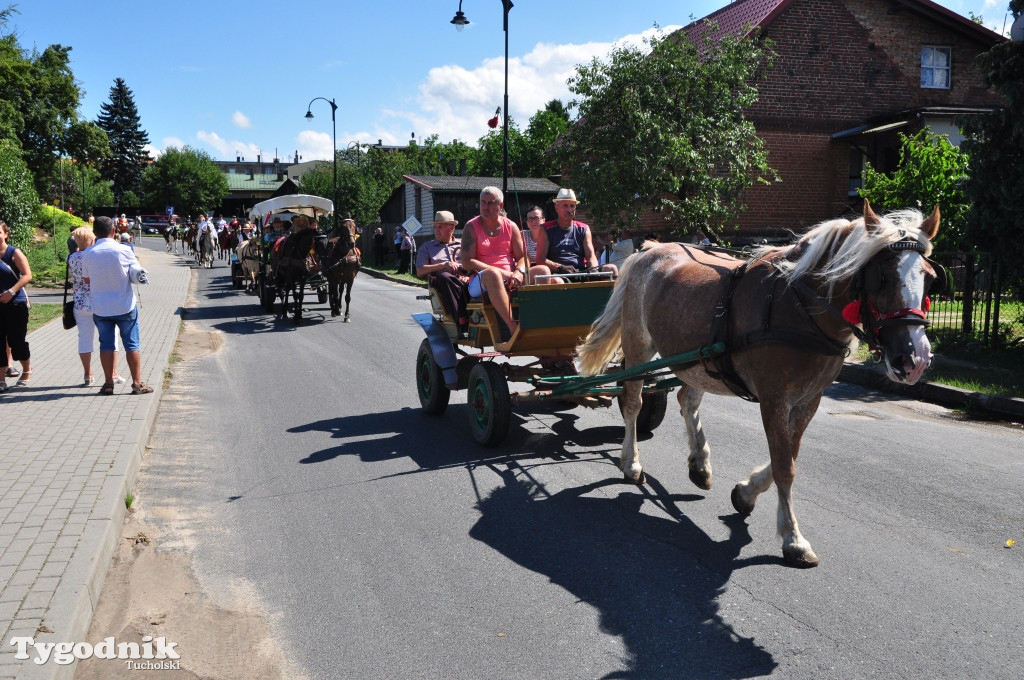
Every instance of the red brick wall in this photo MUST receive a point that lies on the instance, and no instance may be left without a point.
(841, 62)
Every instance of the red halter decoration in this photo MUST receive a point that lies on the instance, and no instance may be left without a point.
(852, 312)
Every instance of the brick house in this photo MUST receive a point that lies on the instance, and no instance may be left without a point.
(850, 75)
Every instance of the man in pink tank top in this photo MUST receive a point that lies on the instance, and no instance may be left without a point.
(492, 247)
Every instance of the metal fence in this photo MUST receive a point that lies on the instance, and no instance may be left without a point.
(980, 310)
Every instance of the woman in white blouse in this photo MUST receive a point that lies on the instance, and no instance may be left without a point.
(84, 238)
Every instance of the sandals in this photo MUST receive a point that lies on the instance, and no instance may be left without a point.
(141, 388)
(107, 389)
(23, 380)
(12, 372)
(3, 386)
(88, 381)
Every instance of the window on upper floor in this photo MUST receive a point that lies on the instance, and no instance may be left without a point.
(935, 66)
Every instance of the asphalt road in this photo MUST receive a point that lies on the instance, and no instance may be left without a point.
(384, 543)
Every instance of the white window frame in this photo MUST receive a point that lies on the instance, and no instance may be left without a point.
(929, 68)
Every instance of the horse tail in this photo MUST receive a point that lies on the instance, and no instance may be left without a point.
(601, 344)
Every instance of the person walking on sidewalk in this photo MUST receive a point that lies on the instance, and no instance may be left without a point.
(106, 268)
(15, 274)
(84, 238)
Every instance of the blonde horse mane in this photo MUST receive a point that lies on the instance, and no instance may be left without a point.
(837, 249)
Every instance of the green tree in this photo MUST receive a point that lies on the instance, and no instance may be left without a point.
(544, 129)
(18, 198)
(664, 130)
(38, 102)
(119, 118)
(931, 172)
(87, 144)
(995, 144)
(186, 178)
(491, 151)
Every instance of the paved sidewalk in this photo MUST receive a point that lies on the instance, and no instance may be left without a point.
(69, 457)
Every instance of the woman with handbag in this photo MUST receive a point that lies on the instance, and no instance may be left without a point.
(84, 238)
(14, 276)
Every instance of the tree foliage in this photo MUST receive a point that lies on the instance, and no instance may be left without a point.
(38, 102)
(931, 172)
(665, 130)
(119, 118)
(18, 198)
(995, 144)
(186, 178)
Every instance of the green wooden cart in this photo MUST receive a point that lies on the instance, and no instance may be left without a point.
(553, 319)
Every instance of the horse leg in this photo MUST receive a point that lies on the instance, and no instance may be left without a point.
(699, 460)
(637, 348)
(348, 296)
(629, 461)
(299, 294)
(334, 295)
(784, 425)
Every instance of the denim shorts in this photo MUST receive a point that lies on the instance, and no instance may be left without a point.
(126, 324)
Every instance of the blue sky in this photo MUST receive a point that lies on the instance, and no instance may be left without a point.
(235, 78)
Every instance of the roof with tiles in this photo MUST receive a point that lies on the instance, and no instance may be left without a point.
(737, 18)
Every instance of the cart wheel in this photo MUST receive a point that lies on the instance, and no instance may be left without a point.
(429, 382)
(267, 297)
(652, 411)
(490, 408)
(321, 295)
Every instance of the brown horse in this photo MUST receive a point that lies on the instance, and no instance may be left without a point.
(342, 265)
(292, 261)
(778, 315)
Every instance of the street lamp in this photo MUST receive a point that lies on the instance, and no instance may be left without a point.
(334, 149)
(461, 22)
(358, 150)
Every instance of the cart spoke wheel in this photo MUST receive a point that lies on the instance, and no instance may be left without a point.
(430, 382)
(490, 408)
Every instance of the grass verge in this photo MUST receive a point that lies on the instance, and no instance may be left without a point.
(40, 315)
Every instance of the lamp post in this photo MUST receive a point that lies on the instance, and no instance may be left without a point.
(358, 150)
(334, 149)
(461, 22)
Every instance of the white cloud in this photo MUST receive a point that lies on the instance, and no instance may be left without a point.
(314, 145)
(152, 151)
(241, 120)
(455, 102)
(228, 150)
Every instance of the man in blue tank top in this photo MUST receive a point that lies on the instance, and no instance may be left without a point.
(566, 245)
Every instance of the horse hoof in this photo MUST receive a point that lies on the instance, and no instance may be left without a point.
(335, 312)
(347, 320)
(799, 558)
(743, 507)
(701, 478)
(639, 480)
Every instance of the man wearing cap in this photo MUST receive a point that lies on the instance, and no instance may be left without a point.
(565, 244)
(439, 261)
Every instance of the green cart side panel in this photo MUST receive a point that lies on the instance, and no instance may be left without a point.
(570, 304)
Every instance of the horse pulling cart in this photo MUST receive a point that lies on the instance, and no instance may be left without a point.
(285, 207)
(773, 329)
(553, 319)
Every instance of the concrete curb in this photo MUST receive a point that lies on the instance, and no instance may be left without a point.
(986, 405)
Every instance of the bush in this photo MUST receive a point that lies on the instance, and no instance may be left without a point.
(18, 198)
(47, 257)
